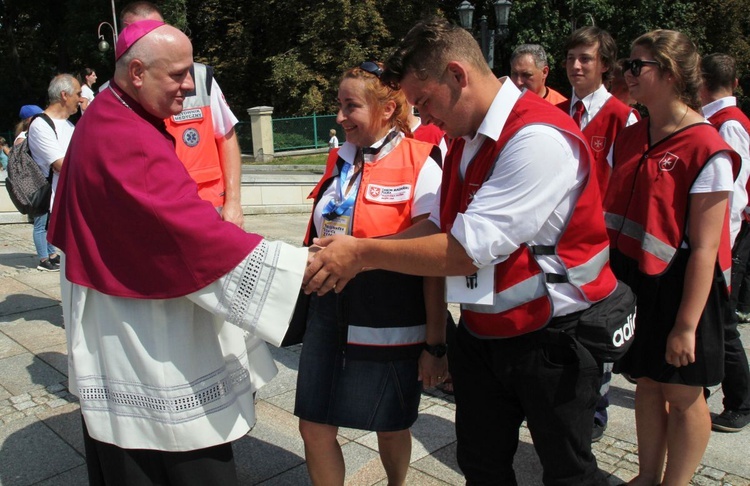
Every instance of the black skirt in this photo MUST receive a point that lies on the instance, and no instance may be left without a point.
(658, 301)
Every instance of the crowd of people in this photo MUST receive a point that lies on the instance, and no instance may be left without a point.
(524, 206)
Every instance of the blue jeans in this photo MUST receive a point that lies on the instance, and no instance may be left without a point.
(43, 248)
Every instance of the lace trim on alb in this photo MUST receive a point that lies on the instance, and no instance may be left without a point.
(172, 405)
(247, 290)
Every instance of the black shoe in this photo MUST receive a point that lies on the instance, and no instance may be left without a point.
(598, 432)
(48, 266)
(730, 421)
(55, 259)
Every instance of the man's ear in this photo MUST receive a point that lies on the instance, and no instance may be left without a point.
(545, 72)
(458, 73)
(136, 71)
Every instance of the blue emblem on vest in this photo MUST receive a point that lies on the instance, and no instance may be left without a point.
(191, 137)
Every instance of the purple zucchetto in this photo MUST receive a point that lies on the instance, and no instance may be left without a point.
(132, 33)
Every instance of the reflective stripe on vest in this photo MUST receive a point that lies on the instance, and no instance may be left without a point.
(519, 294)
(649, 243)
(386, 336)
(590, 270)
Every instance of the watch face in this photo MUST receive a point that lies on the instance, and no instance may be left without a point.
(437, 350)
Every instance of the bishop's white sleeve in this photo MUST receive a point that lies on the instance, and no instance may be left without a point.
(259, 295)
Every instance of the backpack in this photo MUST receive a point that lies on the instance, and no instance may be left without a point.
(27, 187)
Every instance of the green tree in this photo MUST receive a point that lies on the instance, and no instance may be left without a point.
(289, 54)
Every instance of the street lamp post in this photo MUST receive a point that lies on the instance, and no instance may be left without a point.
(574, 17)
(487, 37)
(103, 44)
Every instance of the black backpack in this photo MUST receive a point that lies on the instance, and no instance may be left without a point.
(27, 187)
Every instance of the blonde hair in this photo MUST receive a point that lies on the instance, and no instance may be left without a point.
(378, 94)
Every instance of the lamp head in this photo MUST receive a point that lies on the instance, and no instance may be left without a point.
(466, 14)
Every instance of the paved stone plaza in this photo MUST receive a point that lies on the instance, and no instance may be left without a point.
(41, 442)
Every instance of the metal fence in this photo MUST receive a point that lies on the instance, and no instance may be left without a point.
(302, 132)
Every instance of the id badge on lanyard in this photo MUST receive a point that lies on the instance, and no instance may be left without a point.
(337, 214)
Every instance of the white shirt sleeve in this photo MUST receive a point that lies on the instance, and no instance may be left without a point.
(716, 176)
(224, 119)
(44, 145)
(527, 197)
(87, 93)
(426, 189)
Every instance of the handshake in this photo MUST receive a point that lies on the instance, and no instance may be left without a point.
(332, 261)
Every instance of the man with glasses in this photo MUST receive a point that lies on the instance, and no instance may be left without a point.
(516, 193)
(720, 107)
(205, 139)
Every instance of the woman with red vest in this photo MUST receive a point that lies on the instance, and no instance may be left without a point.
(367, 348)
(667, 215)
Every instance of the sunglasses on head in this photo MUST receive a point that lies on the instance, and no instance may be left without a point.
(635, 66)
(372, 68)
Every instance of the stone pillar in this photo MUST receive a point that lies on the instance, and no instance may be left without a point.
(262, 129)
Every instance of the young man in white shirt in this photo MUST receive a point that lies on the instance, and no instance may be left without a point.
(720, 108)
(503, 199)
(590, 55)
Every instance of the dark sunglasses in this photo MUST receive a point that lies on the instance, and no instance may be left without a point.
(635, 66)
(372, 68)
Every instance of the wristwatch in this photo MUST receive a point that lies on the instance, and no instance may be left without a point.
(437, 350)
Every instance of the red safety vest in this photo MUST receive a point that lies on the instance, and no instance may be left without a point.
(522, 303)
(429, 133)
(647, 214)
(195, 142)
(600, 133)
(731, 113)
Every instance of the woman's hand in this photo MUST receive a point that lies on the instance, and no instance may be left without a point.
(680, 347)
(432, 371)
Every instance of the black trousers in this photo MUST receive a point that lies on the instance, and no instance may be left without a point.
(110, 465)
(545, 376)
(736, 382)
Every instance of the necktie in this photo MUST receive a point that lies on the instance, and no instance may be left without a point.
(579, 112)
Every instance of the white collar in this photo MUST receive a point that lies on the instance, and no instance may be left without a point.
(712, 108)
(497, 115)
